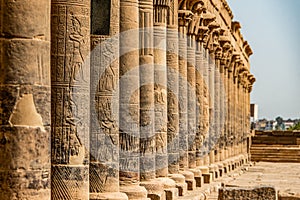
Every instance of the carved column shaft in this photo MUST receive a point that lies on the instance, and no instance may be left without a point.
(246, 119)
(217, 109)
(160, 87)
(239, 115)
(235, 114)
(173, 88)
(70, 88)
(147, 133)
(25, 100)
(104, 142)
(129, 117)
(211, 88)
(191, 78)
(223, 101)
(200, 118)
(226, 113)
(104, 136)
(207, 99)
(230, 111)
(182, 93)
(241, 131)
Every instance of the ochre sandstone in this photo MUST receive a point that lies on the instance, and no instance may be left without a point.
(129, 99)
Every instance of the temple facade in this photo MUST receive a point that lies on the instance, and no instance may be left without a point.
(129, 99)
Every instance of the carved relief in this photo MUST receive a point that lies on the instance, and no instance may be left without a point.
(160, 94)
(105, 118)
(76, 61)
(107, 83)
(69, 47)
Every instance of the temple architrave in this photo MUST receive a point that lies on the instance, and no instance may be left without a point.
(117, 100)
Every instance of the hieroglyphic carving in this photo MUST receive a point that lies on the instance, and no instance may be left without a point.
(70, 90)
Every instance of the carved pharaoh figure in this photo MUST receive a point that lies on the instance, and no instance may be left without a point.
(76, 61)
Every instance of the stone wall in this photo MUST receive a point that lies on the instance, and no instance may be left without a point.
(148, 98)
(257, 193)
(276, 146)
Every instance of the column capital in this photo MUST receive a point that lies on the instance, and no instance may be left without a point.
(184, 16)
(227, 51)
(252, 80)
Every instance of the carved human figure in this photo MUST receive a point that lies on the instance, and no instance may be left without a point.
(76, 61)
(107, 83)
(107, 123)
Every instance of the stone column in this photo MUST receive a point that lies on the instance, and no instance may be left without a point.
(222, 100)
(229, 110)
(129, 103)
(182, 89)
(235, 112)
(25, 100)
(147, 133)
(70, 88)
(225, 61)
(246, 120)
(173, 88)
(217, 107)
(177, 186)
(227, 104)
(160, 86)
(230, 107)
(206, 100)
(212, 45)
(226, 113)
(239, 116)
(241, 111)
(104, 135)
(211, 89)
(200, 118)
(194, 88)
(191, 78)
(243, 115)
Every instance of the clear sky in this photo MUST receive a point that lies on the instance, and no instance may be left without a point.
(272, 28)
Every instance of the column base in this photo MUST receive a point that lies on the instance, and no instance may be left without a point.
(197, 176)
(134, 192)
(221, 169)
(155, 189)
(108, 196)
(189, 179)
(181, 185)
(169, 185)
(207, 177)
(226, 167)
(214, 170)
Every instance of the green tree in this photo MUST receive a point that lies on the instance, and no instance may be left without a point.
(280, 124)
(295, 127)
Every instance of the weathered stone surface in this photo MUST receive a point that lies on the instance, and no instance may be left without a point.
(70, 90)
(25, 100)
(267, 193)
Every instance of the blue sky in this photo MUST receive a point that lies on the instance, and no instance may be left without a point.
(272, 27)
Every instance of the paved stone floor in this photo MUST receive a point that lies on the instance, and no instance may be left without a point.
(285, 177)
